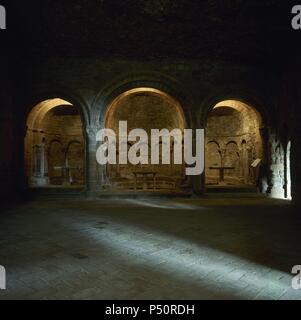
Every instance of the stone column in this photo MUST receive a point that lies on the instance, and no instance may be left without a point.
(276, 167)
(287, 166)
(39, 173)
(295, 166)
(93, 176)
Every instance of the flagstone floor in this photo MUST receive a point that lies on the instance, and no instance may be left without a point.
(211, 248)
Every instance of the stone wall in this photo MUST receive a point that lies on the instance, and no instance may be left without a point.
(60, 135)
(145, 110)
(92, 85)
(287, 131)
(8, 162)
(233, 140)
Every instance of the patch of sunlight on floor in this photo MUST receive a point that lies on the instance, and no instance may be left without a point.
(183, 259)
(161, 205)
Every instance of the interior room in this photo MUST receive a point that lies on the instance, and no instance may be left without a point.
(72, 228)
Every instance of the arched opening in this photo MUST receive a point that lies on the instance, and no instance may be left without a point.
(147, 109)
(55, 145)
(234, 147)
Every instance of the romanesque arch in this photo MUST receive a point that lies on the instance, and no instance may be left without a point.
(234, 146)
(55, 145)
(146, 108)
(131, 81)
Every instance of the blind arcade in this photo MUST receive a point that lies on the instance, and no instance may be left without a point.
(183, 147)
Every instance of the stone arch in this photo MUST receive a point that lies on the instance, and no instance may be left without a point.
(237, 94)
(237, 128)
(155, 80)
(146, 108)
(232, 159)
(71, 143)
(64, 93)
(52, 121)
(145, 90)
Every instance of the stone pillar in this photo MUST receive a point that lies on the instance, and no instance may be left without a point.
(295, 165)
(288, 191)
(276, 167)
(93, 176)
(39, 172)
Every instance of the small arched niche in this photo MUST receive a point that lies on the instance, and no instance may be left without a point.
(233, 138)
(55, 145)
(147, 109)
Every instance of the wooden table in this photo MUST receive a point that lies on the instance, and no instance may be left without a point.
(222, 172)
(144, 174)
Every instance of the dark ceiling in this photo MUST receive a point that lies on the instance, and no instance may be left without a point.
(240, 30)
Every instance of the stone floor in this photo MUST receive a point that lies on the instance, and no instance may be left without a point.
(150, 249)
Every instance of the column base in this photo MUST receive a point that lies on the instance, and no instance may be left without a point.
(40, 181)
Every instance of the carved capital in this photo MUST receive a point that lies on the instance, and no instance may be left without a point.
(92, 131)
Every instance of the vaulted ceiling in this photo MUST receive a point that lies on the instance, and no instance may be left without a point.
(248, 30)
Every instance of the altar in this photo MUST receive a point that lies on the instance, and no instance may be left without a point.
(66, 173)
(222, 173)
(144, 175)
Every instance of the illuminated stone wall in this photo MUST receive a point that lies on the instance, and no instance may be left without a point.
(93, 84)
(233, 140)
(60, 135)
(146, 110)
